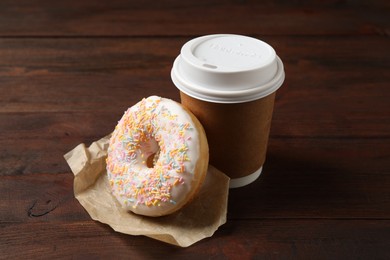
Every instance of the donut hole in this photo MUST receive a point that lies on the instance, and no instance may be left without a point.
(150, 162)
(151, 152)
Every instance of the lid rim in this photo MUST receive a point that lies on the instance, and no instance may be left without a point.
(228, 96)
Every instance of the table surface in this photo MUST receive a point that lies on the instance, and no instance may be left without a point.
(68, 70)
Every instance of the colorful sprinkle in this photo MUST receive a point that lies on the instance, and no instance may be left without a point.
(149, 128)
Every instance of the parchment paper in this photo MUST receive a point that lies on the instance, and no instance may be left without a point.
(197, 220)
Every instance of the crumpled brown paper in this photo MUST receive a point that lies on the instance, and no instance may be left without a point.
(197, 220)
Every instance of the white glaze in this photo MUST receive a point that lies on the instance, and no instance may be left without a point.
(156, 123)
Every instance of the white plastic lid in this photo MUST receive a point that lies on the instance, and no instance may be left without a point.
(227, 68)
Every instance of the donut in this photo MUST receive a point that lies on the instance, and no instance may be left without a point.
(157, 157)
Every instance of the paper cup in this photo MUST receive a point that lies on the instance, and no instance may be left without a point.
(229, 83)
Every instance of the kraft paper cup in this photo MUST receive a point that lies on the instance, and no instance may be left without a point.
(229, 82)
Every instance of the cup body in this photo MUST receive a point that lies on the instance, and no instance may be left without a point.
(229, 83)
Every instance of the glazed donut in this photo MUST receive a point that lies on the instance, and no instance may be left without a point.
(157, 157)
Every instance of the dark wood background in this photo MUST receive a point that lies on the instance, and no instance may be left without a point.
(68, 70)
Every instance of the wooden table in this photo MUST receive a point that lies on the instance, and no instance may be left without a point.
(68, 70)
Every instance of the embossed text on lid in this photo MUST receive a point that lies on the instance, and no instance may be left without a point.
(232, 53)
(226, 68)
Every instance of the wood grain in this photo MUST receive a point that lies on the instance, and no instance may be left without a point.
(68, 70)
(270, 198)
(39, 147)
(173, 18)
(71, 75)
(319, 239)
